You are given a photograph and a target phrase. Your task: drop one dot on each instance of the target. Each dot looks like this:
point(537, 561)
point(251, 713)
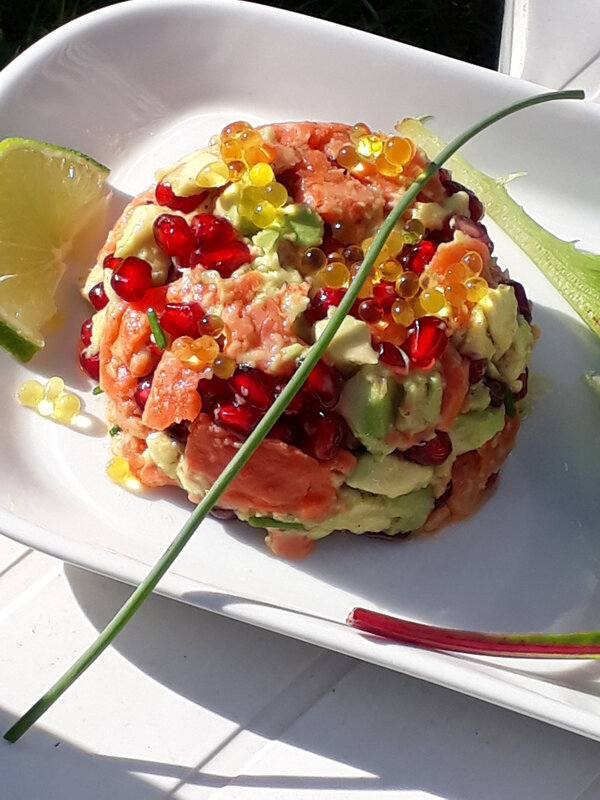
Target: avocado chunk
point(368, 404)
point(421, 402)
point(351, 347)
point(471, 431)
point(391, 475)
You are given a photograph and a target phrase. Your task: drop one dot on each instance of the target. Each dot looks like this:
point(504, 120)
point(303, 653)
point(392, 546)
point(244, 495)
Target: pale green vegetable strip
point(574, 273)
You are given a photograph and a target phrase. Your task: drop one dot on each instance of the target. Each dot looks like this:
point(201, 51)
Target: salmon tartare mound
point(214, 283)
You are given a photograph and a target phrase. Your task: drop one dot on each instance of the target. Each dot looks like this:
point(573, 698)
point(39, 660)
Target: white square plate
point(138, 84)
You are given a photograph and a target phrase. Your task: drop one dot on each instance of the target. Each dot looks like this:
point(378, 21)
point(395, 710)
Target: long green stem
point(262, 429)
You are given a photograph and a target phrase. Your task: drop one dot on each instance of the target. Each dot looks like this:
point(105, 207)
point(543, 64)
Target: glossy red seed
point(97, 296)
point(131, 280)
point(142, 393)
point(431, 453)
point(324, 383)
point(286, 430)
point(323, 300)
point(174, 237)
point(240, 421)
point(253, 386)
point(181, 319)
point(86, 332)
point(297, 402)
point(179, 431)
point(224, 259)
point(426, 341)
point(385, 294)
point(497, 391)
point(165, 196)
point(323, 436)
point(416, 257)
point(524, 378)
point(394, 357)
point(111, 262)
point(477, 369)
point(210, 230)
point(90, 364)
point(470, 228)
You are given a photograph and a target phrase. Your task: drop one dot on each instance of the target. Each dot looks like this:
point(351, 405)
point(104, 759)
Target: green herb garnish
point(97, 390)
point(574, 273)
point(157, 331)
point(270, 522)
point(245, 452)
point(114, 430)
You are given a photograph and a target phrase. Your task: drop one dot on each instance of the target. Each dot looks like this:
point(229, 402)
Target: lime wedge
point(46, 194)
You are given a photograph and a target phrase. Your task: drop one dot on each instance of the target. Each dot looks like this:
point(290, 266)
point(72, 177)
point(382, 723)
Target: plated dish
point(529, 559)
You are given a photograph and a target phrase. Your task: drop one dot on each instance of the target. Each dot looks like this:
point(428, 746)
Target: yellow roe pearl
point(415, 226)
point(53, 388)
point(477, 289)
point(264, 215)
point(30, 393)
point(335, 275)
point(261, 174)
point(432, 300)
point(223, 367)
point(117, 469)
point(369, 146)
point(276, 194)
point(407, 285)
point(402, 312)
point(391, 270)
point(66, 408)
point(395, 242)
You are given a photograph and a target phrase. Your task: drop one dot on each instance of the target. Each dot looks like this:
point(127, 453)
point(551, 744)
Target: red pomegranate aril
point(181, 319)
point(111, 262)
point(210, 230)
point(240, 421)
point(297, 402)
point(142, 393)
point(165, 196)
point(179, 431)
point(224, 259)
point(416, 257)
point(90, 364)
point(385, 293)
point(524, 378)
point(86, 332)
point(285, 430)
point(497, 391)
point(469, 227)
point(324, 383)
point(431, 453)
point(253, 386)
point(323, 300)
point(174, 237)
point(426, 342)
point(97, 296)
point(477, 369)
point(323, 436)
point(393, 357)
point(131, 280)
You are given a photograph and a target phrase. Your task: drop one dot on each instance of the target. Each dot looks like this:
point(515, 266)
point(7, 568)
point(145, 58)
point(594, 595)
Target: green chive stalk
point(245, 452)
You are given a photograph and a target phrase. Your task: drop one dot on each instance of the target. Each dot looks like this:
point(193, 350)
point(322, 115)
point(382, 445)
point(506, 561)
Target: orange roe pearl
point(235, 129)
point(359, 130)
point(407, 285)
point(366, 290)
point(231, 150)
point(455, 293)
point(313, 259)
point(236, 170)
point(347, 157)
point(457, 273)
point(473, 261)
point(399, 151)
point(386, 169)
point(353, 254)
point(369, 146)
point(396, 333)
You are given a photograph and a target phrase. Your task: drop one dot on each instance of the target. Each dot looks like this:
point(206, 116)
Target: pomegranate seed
point(131, 279)
point(370, 311)
point(416, 256)
point(254, 387)
point(385, 294)
point(524, 378)
point(181, 319)
point(323, 300)
point(142, 393)
point(97, 296)
point(174, 236)
point(426, 341)
point(286, 431)
point(323, 436)
point(497, 391)
point(165, 196)
point(86, 332)
point(111, 262)
point(431, 453)
point(477, 369)
point(179, 431)
point(240, 421)
point(324, 383)
point(225, 259)
point(90, 364)
point(522, 301)
point(297, 403)
point(394, 357)
point(211, 231)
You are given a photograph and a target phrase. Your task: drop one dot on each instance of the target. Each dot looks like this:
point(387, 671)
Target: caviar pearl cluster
point(368, 153)
point(50, 399)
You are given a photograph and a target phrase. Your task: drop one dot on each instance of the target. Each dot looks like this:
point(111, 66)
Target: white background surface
point(258, 715)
